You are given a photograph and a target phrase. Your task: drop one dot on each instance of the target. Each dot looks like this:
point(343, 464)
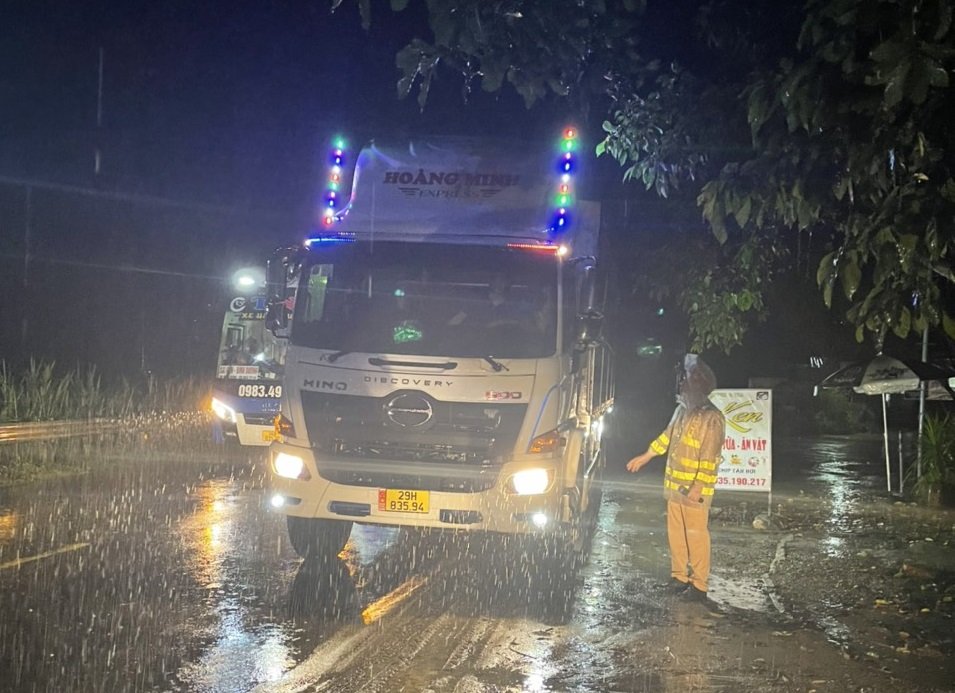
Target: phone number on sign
point(740, 481)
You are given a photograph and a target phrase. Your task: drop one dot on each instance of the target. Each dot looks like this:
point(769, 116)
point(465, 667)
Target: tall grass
point(42, 392)
point(937, 447)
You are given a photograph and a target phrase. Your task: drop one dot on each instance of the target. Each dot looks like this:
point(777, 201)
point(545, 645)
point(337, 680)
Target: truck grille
point(456, 433)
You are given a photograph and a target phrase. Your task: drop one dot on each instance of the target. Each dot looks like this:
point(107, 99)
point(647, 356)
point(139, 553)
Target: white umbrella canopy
point(886, 375)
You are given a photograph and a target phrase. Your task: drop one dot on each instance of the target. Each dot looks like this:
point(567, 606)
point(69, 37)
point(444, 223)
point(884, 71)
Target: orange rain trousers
point(689, 539)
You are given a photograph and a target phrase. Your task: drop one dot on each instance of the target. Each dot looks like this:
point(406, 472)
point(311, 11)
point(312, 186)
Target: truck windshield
point(428, 299)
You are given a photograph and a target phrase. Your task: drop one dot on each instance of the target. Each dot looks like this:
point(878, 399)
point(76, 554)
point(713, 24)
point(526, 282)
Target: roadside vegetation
point(143, 418)
point(936, 485)
point(808, 134)
point(44, 392)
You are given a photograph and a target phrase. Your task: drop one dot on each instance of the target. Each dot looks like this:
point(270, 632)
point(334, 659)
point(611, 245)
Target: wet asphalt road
point(175, 575)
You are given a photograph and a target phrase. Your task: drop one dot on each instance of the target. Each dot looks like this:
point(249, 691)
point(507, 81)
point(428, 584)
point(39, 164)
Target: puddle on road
point(740, 593)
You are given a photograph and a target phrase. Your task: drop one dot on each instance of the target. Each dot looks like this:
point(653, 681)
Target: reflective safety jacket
point(694, 440)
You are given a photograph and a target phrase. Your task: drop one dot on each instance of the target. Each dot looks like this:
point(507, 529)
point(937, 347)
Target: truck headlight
point(223, 411)
point(290, 466)
point(530, 481)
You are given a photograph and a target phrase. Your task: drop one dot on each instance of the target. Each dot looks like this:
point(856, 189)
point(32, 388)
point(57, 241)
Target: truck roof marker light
point(336, 160)
point(566, 163)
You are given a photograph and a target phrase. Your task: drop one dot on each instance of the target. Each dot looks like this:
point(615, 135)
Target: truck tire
point(312, 537)
point(590, 516)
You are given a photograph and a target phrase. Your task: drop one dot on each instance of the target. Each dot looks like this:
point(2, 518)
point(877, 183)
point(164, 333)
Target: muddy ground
point(852, 596)
point(169, 572)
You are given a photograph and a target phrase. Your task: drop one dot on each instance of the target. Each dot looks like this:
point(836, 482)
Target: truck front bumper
point(455, 497)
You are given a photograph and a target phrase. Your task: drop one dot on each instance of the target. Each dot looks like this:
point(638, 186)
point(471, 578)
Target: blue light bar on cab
point(338, 238)
point(331, 200)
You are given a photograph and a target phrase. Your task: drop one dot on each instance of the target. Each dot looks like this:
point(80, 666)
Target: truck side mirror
point(276, 317)
point(588, 328)
point(282, 262)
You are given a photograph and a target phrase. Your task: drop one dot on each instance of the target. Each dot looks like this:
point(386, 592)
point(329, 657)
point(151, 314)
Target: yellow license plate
point(269, 435)
point(397, 500)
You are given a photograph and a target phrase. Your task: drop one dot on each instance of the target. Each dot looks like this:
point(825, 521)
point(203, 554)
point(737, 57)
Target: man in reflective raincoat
point(693, 443)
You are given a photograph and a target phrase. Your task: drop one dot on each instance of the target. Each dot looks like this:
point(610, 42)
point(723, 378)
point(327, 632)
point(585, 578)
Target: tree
point(782, 121)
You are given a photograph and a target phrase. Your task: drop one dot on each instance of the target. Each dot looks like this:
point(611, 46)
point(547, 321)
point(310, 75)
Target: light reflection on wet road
point(178, 577)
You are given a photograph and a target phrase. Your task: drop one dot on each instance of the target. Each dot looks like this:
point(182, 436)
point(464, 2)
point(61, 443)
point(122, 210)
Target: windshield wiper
point(446, 366)
point(496, 365)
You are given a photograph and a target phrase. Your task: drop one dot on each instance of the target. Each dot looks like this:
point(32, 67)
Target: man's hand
point(695, 493)
point(637, 462)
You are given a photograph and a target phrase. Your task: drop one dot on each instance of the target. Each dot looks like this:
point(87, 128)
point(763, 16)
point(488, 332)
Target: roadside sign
point(747, 462)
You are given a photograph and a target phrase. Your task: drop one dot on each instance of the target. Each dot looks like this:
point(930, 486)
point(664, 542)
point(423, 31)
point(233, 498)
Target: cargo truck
point(445, 366)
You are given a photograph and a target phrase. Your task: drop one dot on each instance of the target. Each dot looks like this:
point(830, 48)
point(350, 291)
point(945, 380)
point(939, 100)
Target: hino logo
point(409, 410)
point(337, 385)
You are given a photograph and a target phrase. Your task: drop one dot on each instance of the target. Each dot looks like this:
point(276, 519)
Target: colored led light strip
point(336, 159)
point(566, 164)
point(544, 248)
point(329, 239)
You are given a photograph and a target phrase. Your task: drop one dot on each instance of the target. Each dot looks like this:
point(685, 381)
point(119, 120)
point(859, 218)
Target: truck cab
point(247, 388)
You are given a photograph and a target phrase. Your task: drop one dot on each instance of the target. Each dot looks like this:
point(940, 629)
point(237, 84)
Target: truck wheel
point(589, 519)
point(314, 537)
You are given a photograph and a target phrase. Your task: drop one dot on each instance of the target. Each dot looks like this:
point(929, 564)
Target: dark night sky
point(217, 101)
point(230, 103)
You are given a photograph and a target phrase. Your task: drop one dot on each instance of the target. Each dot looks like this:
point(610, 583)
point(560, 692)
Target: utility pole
point(27, 232)
point(97, 152)
point(923, 390)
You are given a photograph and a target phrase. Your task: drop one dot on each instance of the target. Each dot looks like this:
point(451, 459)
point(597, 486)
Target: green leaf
point(888, 52)
point(745, 300)
point(493, 75)
point(945, 271)
point(742, 214)
point(719, 229)
point(860, 333)
point(851, 275)
point(825, 269)
point(948, 190)
point(907, 242)
point(601, 148)
point(841, 187)
point(902, 326)
point(894, 89)
point(948, 324)
point(944, 20)
point(938, 76)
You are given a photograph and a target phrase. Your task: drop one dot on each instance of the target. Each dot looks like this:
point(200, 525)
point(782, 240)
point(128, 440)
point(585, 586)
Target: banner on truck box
point(747, 463)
